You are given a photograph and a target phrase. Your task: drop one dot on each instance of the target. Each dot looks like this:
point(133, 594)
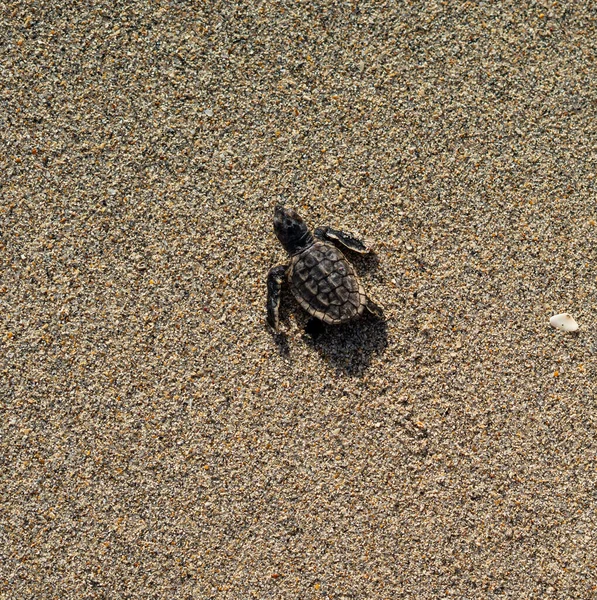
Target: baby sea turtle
point(321, 279)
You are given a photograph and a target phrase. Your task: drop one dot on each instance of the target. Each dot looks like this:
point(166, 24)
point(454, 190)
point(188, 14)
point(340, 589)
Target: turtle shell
point(325, 284)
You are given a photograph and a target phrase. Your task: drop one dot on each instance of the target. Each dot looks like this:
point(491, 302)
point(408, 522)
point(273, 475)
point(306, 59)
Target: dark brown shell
point(326, 285)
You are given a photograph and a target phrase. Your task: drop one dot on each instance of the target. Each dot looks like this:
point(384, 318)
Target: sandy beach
point(157, 441)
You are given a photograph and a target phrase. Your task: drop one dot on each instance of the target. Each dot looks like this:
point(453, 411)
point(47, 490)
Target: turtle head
point(291, 230)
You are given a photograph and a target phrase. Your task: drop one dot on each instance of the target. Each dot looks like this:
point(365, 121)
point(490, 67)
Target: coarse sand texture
point(157, 441)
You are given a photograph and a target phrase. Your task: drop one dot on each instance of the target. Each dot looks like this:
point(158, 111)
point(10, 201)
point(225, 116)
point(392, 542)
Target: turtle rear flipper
point(274, 287)
point(346, 240)
point(373, 308)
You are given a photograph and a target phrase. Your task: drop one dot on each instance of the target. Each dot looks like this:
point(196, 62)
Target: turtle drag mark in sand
point(322, 280)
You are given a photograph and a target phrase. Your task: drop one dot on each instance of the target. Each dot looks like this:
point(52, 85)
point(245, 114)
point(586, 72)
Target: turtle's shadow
point(363, 262)
point(348, 348)
point(281, 341)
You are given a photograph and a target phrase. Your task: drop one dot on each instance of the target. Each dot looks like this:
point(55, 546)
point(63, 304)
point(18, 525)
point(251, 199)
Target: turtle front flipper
point(274, 288)
point(373, 308)
point(344, 239)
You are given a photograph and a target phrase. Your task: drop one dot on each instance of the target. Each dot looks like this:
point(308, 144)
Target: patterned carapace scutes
point(325, 284)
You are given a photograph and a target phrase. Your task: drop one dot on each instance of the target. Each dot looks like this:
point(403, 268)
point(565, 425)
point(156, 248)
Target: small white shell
point(564, 322)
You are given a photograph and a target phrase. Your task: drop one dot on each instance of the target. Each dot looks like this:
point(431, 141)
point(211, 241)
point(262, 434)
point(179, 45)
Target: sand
point(157, 441)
